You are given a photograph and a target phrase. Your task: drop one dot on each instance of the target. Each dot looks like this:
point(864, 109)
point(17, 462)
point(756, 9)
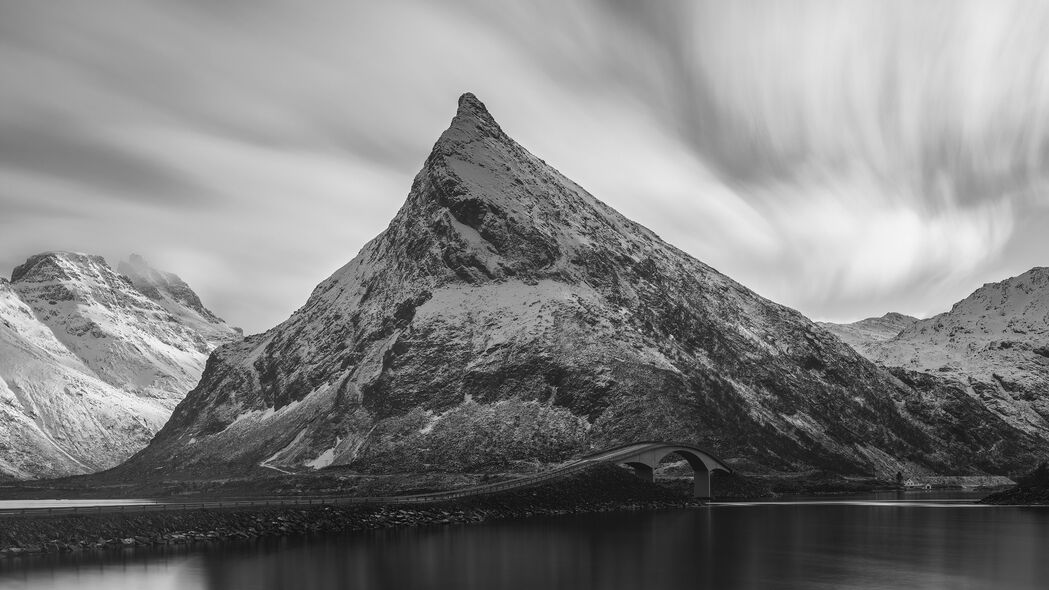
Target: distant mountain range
point(866, 333)
point(993, 345)
point(508, 316)
point(92, 362)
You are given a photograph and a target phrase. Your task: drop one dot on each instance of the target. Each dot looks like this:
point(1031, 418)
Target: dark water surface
point(899, 542)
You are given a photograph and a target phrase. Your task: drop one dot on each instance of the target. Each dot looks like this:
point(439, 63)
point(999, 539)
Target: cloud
point(893, 146)
point(852, 242)
point(843, 157)
point(80, 156)
point(914, 91)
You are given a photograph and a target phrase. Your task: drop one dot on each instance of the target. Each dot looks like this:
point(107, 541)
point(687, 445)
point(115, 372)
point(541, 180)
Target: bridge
point(642, 457)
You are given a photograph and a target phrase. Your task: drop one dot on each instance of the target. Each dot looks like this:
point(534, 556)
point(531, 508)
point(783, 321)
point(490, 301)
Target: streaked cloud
point(843, 157)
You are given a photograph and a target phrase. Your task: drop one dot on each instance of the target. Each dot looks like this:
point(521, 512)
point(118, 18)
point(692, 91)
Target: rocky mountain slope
point(865, 333)
point(173, 294)
point(506, 315)
point(90, 367)
point(994, 345)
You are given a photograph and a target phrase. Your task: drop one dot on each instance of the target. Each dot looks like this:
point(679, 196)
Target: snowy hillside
point(865, 333)
point(995, 342)
point(90, 367)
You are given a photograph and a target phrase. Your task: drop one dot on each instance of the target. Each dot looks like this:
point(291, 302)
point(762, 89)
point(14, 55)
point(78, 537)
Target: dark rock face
point(978, 437)
point(1032, 489)
point(507, 315)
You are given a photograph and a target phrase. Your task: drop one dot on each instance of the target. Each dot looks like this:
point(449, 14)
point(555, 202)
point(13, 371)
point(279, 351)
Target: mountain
point(994, 345)
point(865, 333)
point(505, 315)
point(90, 367)
point(173, 294)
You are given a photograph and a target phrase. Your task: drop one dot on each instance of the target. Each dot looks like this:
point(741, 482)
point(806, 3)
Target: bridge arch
point(643, 458)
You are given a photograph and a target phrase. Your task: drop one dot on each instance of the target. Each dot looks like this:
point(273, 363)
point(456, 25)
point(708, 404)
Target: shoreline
point(1018, 496)
point(602, 488)
point(1031, 490)
point(75, 534)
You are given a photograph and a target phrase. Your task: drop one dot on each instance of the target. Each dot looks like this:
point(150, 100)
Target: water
point(879, 542)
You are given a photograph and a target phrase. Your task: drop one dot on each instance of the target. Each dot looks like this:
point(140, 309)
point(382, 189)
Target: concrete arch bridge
point(644, 457)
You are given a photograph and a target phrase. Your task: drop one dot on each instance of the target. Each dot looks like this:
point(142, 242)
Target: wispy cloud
point(843, 157)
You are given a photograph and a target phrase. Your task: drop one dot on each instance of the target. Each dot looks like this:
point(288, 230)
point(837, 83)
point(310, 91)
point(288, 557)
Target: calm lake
point(893, 541)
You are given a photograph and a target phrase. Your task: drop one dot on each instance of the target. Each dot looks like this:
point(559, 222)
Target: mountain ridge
point(173, 294)
point(868, 331)
point(994, 344)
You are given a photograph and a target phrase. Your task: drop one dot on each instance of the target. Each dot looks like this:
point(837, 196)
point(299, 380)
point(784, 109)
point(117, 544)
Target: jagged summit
point(471, 109)
point(468, 101)
point(472, 122)
point(53, 261)
point(484, 207)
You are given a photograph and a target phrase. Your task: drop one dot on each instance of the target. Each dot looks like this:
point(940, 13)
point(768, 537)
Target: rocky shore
point(603, 488)
point(1019, 497)
point(1032, 490)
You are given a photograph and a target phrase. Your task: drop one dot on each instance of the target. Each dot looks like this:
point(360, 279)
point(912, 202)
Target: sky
point(844, 158)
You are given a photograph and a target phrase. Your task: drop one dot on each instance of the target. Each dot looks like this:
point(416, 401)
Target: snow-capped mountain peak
point(126, 339)
point(505, 314)
point(90, 367)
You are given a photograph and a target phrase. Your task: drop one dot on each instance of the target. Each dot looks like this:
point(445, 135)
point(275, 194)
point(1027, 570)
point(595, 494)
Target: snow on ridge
point(261, 415)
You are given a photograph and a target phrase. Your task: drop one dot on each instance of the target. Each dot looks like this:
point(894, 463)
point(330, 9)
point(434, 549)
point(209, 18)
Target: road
point(89, 506)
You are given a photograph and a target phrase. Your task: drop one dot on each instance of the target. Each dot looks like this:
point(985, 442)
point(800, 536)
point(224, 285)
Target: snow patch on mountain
point(326, 458)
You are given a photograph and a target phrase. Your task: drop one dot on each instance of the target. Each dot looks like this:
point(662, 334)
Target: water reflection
point(756, 546)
